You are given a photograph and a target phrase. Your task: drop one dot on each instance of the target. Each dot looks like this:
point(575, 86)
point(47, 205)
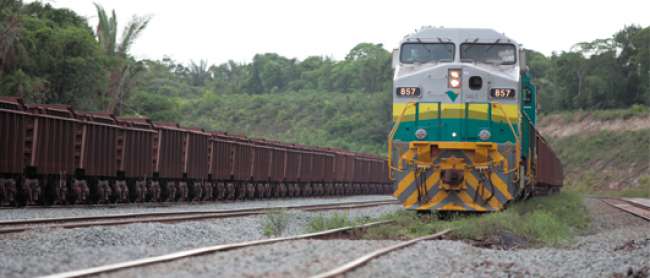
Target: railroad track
point(636, 207)
point(360, 261)
point(202, 251)
point(15, 226)
point(336, 272)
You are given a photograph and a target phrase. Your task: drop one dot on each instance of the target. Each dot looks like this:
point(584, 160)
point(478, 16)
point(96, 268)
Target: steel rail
point(14, 226)
point(341, 270)
point(201, 251)
point(631, 207)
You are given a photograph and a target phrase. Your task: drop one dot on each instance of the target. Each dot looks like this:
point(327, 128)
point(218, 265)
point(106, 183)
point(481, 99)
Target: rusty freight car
point(51, 154)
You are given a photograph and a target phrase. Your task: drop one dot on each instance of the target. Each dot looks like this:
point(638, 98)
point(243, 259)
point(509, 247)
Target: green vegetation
point(275, 222)
point(605, 160)
point(552, 220)
point(354, 121)
point(321, 223)
point(50, 55)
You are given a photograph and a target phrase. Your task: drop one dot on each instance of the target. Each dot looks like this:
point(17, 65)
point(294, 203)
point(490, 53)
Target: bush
point(321, 223)
point(548, 220)
point(275, 222)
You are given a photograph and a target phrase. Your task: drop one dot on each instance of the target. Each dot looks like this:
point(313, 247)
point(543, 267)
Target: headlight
point(455, 77)
point(484, 134)
point(420, 133)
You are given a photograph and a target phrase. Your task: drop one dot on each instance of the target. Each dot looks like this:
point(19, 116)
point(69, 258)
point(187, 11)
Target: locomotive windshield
point(421, 53)
point(488, 53)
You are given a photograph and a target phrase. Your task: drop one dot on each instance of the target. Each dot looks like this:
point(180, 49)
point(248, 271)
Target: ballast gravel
point(97, 210)
point(52, 251)
point(301, 258)
point(618, 245)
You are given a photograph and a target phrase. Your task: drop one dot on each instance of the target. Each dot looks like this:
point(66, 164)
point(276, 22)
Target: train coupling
point(452, 174)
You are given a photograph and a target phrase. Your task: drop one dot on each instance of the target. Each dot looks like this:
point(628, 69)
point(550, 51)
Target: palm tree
point(125, 68)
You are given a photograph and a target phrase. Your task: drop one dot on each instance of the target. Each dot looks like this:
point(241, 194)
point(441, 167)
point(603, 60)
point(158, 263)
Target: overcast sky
point(238, 29)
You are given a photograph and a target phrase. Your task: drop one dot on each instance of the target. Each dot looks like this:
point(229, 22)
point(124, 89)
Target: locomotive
point(464, 114)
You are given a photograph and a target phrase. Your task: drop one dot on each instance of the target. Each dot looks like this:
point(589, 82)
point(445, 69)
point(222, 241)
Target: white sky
point(238, 29)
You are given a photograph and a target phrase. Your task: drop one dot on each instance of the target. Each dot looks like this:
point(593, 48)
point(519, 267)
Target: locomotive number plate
point(407, 92)
point(502, 93)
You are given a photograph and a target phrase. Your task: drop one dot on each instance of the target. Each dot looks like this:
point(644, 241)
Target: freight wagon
point(52, 154)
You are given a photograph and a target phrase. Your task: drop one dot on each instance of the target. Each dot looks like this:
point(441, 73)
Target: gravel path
point(28, 213)
point(612, 248)
point(51, 251)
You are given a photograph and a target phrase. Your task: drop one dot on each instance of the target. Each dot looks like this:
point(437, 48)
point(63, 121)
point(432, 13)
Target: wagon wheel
point(250, 191)
point(78, 192)
point(102, 192)
point(231, 191)
point(170, 191)
point(60, 192)
point(196, 191)
point(153, 191)
point(221, 191)
point(182, 191)
point(307, 190)
point(282, 190)
point(268, 193)
point(241, 190)
point(208, 191)
point(7, 192)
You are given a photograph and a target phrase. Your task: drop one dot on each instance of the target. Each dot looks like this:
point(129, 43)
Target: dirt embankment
point(559, 125)
point(602, 150)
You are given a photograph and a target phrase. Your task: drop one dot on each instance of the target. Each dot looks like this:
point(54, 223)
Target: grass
point(321, 223)
point(552, 220)
point(604, 161)
point(275, 222)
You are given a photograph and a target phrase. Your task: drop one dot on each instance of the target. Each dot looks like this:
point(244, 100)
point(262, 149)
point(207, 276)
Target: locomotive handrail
point(390, 139)
point(512, 129)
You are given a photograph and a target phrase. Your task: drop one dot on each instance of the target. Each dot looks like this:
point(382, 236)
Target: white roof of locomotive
point(457, 35)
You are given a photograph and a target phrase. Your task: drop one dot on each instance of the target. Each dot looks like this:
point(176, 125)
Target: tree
point(49, 56)
point(123, 67)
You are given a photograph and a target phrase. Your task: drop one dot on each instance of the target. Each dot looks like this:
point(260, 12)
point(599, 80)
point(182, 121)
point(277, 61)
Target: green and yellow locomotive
point(464, 112)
